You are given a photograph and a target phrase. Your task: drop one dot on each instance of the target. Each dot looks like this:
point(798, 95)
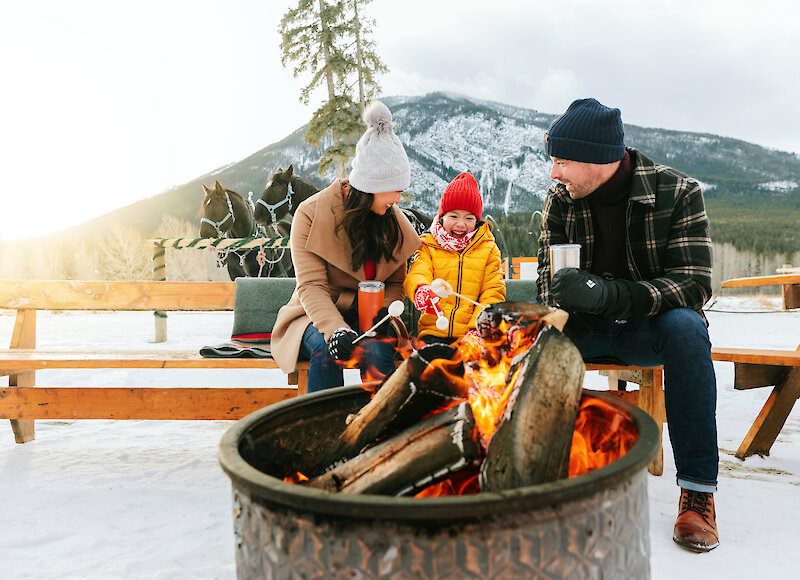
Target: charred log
point(419, 456)
point(531, 445)
point(404, 398)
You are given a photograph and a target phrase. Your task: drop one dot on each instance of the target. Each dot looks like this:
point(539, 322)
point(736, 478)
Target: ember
point(297, 477)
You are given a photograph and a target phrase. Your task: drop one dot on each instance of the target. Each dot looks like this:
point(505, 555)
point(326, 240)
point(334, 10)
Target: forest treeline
point(762, 231)
point(126, 254)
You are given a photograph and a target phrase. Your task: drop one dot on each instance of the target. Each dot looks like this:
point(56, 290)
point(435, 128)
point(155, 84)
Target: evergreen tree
point(366, 62)
point(327, 39)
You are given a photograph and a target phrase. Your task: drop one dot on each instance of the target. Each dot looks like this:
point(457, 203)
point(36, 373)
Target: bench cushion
point(521, 290)
point(255, 308)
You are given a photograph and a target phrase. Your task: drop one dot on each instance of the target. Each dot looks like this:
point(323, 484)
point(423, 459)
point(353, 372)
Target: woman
point(347, 233)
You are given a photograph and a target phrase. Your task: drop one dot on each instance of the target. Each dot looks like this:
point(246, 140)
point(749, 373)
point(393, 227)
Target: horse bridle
point(218, 225)
point(271, 207)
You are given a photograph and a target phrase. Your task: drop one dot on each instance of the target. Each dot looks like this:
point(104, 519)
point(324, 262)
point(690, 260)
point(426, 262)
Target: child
point(460, 249)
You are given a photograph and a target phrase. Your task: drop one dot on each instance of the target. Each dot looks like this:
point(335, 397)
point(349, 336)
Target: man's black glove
point(340, 345)
point(385, 329)
point(580, 291)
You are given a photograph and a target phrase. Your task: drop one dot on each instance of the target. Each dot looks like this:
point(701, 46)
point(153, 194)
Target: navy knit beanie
point(588, 132)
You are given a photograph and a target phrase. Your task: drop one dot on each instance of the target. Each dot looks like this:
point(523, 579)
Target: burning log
point(532, 443)
point(403, 399)
point(523, 396)
point(419, 456)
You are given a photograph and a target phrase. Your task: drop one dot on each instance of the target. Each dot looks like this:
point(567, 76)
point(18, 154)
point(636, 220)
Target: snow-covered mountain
point(502, 146)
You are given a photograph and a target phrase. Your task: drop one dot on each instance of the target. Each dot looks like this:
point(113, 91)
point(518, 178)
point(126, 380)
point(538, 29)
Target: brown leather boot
point(696, 526)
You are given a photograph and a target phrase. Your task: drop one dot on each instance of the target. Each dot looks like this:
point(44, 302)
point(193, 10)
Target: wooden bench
point(22, 401)
point(779, 369)
point(790, 283)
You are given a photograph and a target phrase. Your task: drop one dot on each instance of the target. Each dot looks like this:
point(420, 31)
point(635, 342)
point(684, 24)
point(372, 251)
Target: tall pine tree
point(329, 40)
point(365, 62)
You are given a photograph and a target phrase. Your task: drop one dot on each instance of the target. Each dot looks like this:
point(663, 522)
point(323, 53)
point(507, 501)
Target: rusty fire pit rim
point(470, 507)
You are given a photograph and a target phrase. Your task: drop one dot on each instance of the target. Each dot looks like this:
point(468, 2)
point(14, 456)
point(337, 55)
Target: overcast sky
point(106, 102)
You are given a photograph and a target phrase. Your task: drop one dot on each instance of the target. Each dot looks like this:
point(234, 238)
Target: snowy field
point(147, 499)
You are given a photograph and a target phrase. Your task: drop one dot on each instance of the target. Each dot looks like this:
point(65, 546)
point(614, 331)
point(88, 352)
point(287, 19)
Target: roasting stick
point(441, 319)
point(395, 309)
point(443, 289)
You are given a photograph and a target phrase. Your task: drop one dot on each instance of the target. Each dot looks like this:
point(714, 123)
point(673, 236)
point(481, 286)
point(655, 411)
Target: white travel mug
point(564, 256)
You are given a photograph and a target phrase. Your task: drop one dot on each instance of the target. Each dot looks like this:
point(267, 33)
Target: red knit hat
point(462, 193)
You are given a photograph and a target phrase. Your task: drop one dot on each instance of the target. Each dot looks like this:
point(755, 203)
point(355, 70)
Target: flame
point(484, 372)
point(464, 482)
point(488, 398)
point(489, 383)
point(296, 478)
point(603, 433)
point(449, 371)
point(359, 358)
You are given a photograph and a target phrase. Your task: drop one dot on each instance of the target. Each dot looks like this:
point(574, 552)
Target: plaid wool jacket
point(667, 244)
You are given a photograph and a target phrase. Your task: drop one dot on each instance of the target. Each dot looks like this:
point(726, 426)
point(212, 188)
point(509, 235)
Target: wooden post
point(651, 400)
point(773, 415)
point(23, 336)
point(791, 296)
point(159, 275)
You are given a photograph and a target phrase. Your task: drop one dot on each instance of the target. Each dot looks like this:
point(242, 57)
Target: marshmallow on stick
point(395, 309)
point(441, 319)
point(443, 289)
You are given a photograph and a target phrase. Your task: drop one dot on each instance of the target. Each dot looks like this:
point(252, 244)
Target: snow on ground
point(147, 499)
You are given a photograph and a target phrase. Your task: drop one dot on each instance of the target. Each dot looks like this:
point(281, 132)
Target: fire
point(484, 372)
point(464, 482)
point(296, 478)
point(488, 397)
point(450, 371)
point(490, 376)
point(602, 434)
point(371, 374)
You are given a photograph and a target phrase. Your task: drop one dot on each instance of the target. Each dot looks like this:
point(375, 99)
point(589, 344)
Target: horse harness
point(218, 225)
point(271, 207)
point(256, 231)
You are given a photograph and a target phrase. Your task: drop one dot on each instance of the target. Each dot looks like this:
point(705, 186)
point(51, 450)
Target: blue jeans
point(324, 372)
point(677, 339)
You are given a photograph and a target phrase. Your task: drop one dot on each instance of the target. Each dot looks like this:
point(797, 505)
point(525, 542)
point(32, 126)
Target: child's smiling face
point(458, 222)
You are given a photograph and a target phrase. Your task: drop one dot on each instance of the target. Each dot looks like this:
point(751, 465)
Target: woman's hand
point(340, 345)
point(385, 327)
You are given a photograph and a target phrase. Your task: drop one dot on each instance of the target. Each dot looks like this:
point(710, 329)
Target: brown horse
point(278, 202)
point(281, 196)
point(226, 214)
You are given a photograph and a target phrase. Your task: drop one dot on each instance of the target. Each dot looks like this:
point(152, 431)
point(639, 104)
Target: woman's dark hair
point(372, 236)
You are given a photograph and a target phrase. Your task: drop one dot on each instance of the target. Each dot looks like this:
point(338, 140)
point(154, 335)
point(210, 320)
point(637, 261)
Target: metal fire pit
point(591, 526)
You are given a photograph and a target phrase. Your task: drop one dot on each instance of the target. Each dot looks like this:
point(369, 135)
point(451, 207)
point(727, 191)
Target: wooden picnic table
point(763, 368)
point(790, 283)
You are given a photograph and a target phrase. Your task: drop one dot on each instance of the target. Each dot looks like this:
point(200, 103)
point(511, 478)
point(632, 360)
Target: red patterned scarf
point(447, 241)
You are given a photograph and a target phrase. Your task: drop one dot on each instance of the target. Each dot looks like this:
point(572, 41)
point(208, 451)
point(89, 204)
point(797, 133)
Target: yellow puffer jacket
point(476, 272)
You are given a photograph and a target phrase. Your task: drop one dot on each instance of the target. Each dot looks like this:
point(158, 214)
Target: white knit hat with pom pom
point(381, 163)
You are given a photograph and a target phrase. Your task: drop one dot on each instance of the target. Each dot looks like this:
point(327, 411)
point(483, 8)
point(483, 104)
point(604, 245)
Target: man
point(637, 297)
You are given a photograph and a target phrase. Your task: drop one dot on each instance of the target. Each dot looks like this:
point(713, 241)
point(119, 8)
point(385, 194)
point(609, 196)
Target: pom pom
point(441, 323)
point(378, 116)
point(396, 308)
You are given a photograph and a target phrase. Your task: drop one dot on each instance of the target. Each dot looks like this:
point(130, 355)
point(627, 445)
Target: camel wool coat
point(326, 284)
